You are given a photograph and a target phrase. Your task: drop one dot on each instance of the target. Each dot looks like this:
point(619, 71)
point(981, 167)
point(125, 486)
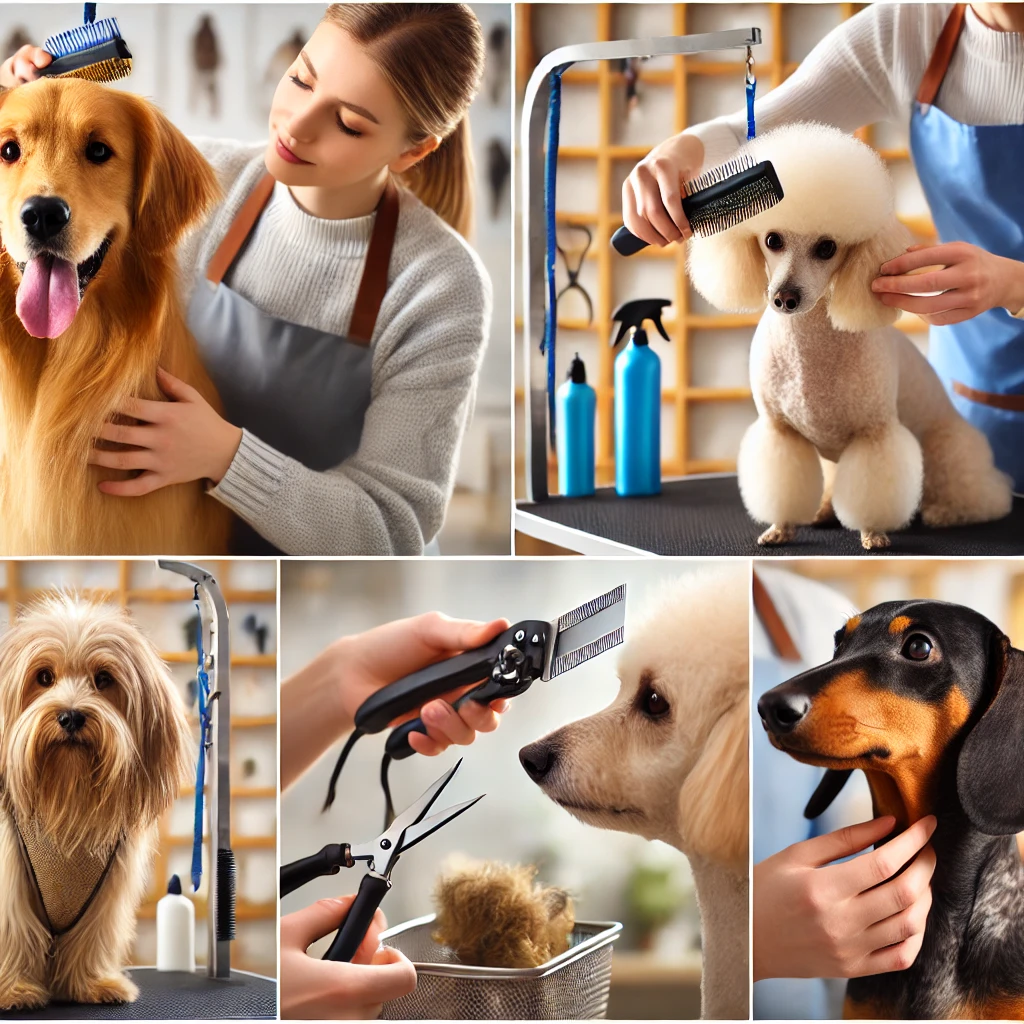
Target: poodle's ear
point(713, 802)
point(853, 306)
point(729, 271)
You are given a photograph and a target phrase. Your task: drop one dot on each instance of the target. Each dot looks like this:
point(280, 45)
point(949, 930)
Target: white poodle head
point(826, 239)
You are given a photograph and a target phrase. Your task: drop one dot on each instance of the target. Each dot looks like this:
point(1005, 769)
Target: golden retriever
point(668, 760)
point(96, 189)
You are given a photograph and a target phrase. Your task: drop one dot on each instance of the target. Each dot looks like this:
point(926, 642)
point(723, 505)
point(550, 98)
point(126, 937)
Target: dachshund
point(927, 699)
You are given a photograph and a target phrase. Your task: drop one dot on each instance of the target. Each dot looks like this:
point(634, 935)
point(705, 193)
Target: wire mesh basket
point(571, 986)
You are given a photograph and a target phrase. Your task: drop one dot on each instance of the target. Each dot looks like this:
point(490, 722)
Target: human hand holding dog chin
point(816, 919)
point(23, 66)
point(324, 989)
point(178, 441)
point(971, 282)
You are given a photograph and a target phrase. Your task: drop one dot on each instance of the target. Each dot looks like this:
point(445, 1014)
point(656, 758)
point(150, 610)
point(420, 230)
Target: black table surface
point(174, 995)
point(705, 516)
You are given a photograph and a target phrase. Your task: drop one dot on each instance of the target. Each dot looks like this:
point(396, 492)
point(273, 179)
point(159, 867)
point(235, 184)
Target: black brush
point(719, 199)
point(226, 880)
point(94, 50)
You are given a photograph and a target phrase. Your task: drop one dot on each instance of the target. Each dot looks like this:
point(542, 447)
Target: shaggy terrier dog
point(94, 747)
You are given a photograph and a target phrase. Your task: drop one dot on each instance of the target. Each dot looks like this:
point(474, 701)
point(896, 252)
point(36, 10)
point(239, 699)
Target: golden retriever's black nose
point(45, 217)
point(781, 712)
point(71, 721)
point(787, 300)
point(538, 759)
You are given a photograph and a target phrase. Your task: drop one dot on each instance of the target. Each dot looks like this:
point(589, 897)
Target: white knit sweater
point(390, 496)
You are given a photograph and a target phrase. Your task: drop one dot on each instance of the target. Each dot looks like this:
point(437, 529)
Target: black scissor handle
point(329, 861)
point(372, 889)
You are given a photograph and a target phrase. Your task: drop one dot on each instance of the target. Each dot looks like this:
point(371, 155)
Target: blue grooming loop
point(539, 145)
point(205, 741)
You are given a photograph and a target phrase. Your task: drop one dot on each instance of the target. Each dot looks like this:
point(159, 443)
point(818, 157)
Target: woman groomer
point(957, 74)
point(342, 317)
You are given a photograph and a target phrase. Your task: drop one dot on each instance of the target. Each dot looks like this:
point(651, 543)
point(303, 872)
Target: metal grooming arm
point(218, 769)
point(535, 103)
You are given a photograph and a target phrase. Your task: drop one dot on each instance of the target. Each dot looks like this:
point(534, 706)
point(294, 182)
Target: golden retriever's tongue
point(48, 296)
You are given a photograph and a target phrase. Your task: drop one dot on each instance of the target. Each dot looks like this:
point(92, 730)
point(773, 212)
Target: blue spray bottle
point(575, 405)
point(638, 400)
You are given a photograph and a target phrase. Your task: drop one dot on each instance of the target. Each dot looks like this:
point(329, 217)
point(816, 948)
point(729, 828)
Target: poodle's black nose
point(45, 217)
point(782, 712)
point(538, 759)
point(787, 300)
point(71, 721)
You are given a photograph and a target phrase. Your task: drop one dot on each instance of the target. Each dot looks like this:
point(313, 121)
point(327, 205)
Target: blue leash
point(547, 344)
point(751, 83)
point(203, 697)
point(89, 15)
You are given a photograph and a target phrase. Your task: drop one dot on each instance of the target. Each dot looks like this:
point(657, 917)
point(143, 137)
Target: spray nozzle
point(632, 315)
point(577, 371)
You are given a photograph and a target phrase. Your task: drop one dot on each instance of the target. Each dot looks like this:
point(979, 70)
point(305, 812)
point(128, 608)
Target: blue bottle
point(638, 400)
point(575, 405)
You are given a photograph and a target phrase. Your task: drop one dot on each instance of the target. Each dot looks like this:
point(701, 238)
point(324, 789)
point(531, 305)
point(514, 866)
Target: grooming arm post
point(535, 103)
point(218, 771)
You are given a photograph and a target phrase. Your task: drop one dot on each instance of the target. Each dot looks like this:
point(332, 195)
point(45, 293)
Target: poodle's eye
point(44, 677)
point(917, 647)
point(9, 152)
point(103, 679)
point(825, 249)
point(98, 152)
point(774, 241)
point(653, 704)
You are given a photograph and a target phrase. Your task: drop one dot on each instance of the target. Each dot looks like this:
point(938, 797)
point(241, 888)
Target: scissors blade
point(418, 832)
point(585, 632)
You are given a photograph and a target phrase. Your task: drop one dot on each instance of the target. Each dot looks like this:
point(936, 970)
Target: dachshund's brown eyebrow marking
point(852, 624)
point(900, 623)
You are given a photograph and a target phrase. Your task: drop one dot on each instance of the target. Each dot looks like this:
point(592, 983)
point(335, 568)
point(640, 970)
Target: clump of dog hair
point(496, 915)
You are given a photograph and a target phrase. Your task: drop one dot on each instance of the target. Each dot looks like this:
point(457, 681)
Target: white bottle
point(175, 930)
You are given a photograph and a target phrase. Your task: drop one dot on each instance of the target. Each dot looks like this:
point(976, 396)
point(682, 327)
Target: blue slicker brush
point(94, 50)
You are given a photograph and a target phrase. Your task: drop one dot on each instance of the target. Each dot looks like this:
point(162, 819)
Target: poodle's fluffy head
point(496, 915)
point(826, 238)
point(668, 758)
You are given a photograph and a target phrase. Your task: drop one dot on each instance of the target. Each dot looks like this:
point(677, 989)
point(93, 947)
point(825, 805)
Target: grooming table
point(703, 515)
point(175, 995)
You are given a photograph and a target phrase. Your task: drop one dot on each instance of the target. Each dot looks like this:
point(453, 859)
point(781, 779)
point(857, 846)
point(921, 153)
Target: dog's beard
point(83, 792)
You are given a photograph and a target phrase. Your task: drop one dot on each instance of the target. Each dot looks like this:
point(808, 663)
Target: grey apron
point(298, 389)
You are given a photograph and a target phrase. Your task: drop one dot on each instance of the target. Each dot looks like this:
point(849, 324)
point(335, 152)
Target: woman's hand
point(816, 919)
point(652, 206)
point(177, 441)
point(973, 281)
point(325, 989)
point(23, 66)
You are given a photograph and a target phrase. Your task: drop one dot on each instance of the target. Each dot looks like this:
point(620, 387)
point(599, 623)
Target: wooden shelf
point(237, 660)
point(237, 842)
point(240, 792)
point(231, 596)
point(245, 721)
point(244, 911)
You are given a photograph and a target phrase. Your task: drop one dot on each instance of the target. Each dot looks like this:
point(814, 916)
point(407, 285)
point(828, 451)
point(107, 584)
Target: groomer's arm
point(319, 702)
point(23, 66)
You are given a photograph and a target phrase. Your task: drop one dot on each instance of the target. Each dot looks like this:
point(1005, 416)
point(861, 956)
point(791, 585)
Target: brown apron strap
point(239, 230)
point(780, 637)
point(943, 53)
point(1011, 403)
point(375, 274)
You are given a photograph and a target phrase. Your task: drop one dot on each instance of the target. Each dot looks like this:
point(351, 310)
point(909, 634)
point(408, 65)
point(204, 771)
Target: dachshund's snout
point(71, 721)
point(782, 712)
point(45, 217)
point(538, 759)
point(787, 300)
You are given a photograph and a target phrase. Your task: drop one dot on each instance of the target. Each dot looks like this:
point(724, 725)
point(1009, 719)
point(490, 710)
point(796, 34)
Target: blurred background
point(612, 116)
point(613, 876)
point(161, 604)
point(814, 597)
point(212, 69)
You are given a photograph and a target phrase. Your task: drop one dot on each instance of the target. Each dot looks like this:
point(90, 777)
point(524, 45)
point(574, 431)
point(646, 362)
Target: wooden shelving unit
point(679, 393)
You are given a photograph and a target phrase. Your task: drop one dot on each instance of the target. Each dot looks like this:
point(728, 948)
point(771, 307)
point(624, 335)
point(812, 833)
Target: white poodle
point(831, 379)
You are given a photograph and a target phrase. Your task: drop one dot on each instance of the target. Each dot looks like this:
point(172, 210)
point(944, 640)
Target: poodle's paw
point(777, 535)
point(872, 541)
point(114, 988)
point(826, 514)
point(22, 994)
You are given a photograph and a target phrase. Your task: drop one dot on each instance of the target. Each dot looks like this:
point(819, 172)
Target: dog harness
point(66, 884)
point(971, 177)
point(277, 379)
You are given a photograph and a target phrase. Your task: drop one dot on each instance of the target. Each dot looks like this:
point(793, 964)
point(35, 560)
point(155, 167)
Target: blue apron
point(300, 390)
point(971, 176)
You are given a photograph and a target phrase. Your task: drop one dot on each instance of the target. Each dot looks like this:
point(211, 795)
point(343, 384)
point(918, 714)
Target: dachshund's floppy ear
point(713, 802)
point(989, 776)
point(729, 271)
point(174, 185)
point(853, 306)
point(828, 789)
